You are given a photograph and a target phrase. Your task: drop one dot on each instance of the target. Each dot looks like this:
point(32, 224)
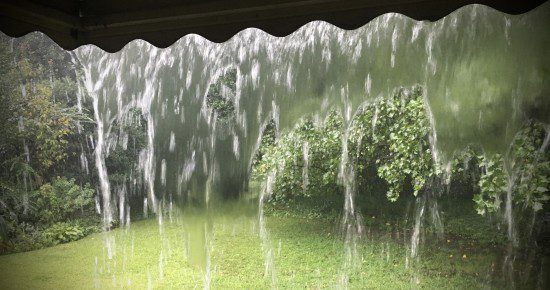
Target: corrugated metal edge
point(113, 40)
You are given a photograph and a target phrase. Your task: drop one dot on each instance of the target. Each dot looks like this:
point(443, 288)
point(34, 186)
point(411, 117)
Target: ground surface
point(307, 252)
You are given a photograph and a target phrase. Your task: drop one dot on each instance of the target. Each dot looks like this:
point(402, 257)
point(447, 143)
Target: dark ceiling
point(110, 24)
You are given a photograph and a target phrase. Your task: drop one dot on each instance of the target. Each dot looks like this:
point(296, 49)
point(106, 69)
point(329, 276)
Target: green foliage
point(390, 135)
point(395, 134)
point(63, 200)
point(268, 140)
point(47, 127)
point(39, 119)
point(27, 218)
point(389, 146)
point(43, 136)
point(286, 156)
point(525, 171)
point(11, 105)
point(220, 96)
point(531, 166)
point(62, 232)
point(492, 183)
point(26, 237)
point(121, 161)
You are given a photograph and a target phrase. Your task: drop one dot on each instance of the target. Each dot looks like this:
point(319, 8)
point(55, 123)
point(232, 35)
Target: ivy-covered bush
point(524, 171)
point(389, 146)
point(388, 135)
point(394, 134)
point(322, 146)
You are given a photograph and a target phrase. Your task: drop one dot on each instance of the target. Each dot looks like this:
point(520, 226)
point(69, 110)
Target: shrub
point(63, 200)
point(524, 171)
point(321, 143)
point(41, 219)
point(388, 140)
point(27, 238)
point(63, 232)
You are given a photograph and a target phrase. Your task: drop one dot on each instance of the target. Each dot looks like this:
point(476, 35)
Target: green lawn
point(308, 254)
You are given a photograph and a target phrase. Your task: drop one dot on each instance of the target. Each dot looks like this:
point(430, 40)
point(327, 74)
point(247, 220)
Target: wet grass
point(308, 253)
point(312, 251)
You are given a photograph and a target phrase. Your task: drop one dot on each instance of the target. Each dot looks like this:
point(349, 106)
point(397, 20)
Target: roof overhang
point(111, 24)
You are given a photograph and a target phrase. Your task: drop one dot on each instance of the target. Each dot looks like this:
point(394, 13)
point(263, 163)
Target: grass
point(308, 253)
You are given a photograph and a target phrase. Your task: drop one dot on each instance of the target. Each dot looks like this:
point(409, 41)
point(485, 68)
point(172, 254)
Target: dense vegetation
point(388, 143)
point(45, 198)
point(48, 179)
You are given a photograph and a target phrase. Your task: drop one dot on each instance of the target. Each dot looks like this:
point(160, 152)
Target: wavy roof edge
point(161, 23)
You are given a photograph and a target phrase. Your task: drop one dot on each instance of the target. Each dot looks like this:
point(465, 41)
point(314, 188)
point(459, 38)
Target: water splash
point(305, 169)
point(267, 248)
point(352, 221)
point(458, 60)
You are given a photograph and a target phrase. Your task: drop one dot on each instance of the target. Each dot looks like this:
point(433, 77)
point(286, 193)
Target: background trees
point(44, 125)
point(48, 180)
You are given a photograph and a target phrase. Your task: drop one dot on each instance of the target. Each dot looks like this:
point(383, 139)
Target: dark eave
point(110, 24)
